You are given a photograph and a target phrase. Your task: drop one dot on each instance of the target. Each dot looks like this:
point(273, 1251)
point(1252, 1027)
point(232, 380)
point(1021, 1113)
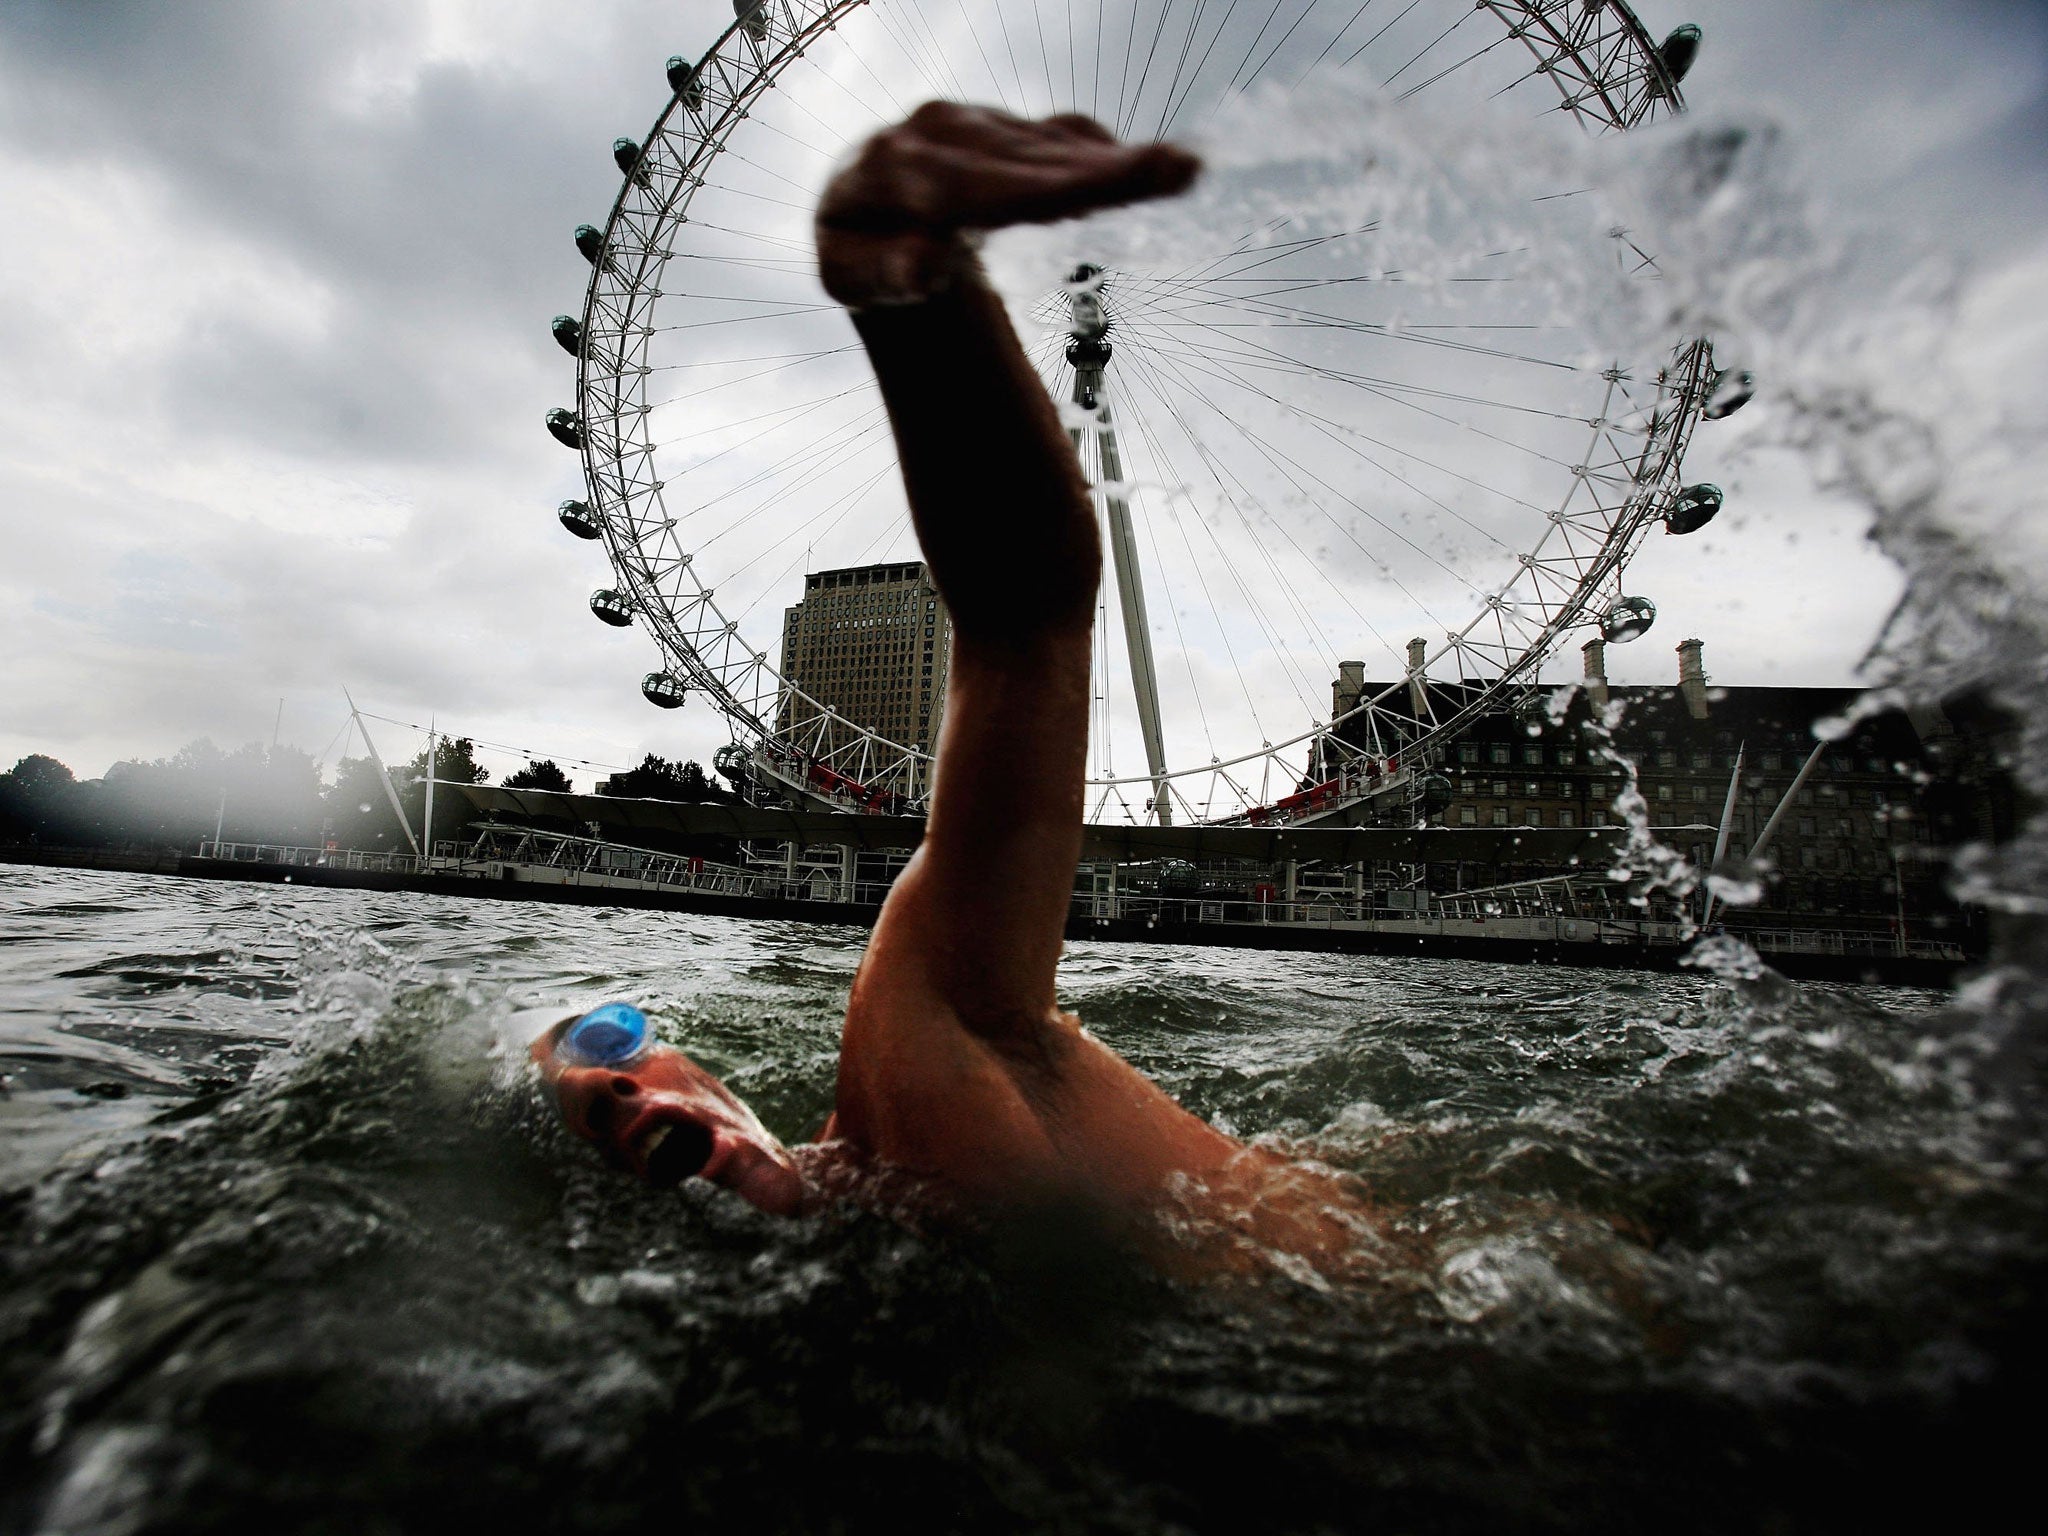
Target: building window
point(1500, 815)
point(1497, 754)
point(1566, 757)
point(1468, 752)
point(1699, 794)
point(1663, 791)
point(1567, 818)
point(1773, 761)
point(1500, 789)
point(1532, 756)
point(1532, 789)
point(1667, 758)
point(1534, 817)
point(1468, 815)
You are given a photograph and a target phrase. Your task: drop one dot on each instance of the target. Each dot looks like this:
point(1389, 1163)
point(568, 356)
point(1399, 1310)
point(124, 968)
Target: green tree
point(454, 762)
point(659, 779)
point(34, 796)
point(541, 773)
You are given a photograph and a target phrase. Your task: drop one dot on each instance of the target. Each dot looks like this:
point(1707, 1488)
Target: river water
point(290, 1237)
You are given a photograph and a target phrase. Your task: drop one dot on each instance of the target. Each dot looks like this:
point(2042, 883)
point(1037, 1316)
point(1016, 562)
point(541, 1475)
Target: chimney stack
point(1596, 672)
point(1692, 678)
point(1418, 700)
point(1349, 687)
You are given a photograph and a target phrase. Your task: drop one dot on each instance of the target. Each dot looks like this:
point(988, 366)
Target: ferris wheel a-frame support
point(1089, 353)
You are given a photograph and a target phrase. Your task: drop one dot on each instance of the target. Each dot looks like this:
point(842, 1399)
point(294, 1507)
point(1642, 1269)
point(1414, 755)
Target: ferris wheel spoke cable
point(1331, 46)
point(989, 69)
point(1383, 31)
point(850, 500)
point(794, 413)
point(765, 357)
point(1329, 429)
point(1010, 48)
point(1393, 392)
point(791, 182)
point(888, 20)
point(1264, 315)
point(1297, 474)
point(1176, 91)
point(925, 54)
point(897, 110)
point(1307, 11)
point(776, 314)
point(830, 452)
point(1257, 609)
point(729, 190)
point(797, 141)
point(1126, 125)
point(773, 266)
point(1448, 70)
point(1219, 357)
point(796, 360)
point(1290, 590)
point(822, 458)
point(1432, 45)
point(800, 248)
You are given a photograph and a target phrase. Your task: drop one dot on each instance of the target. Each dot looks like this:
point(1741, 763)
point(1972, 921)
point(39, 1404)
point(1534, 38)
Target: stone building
point(869, 643)
point(1858, 846)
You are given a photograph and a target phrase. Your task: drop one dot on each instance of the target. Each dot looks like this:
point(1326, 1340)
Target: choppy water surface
point(291, 1237)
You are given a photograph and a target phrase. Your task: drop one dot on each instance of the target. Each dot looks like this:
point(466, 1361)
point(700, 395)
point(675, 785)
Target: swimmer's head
point(655, 1113)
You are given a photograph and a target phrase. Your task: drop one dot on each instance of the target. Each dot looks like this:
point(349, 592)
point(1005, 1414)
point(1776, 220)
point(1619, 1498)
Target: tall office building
point(871, 642)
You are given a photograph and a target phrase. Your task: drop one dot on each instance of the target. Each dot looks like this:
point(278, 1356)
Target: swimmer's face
point(663, 1118)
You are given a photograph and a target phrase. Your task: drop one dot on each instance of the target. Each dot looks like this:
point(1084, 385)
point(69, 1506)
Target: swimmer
point(957, 1068)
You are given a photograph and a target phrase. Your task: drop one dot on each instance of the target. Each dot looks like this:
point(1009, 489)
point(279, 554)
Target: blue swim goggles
point(610, 1035)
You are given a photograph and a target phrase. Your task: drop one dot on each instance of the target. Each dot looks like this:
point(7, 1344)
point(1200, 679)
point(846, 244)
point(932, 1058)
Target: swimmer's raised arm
point(1005, 521)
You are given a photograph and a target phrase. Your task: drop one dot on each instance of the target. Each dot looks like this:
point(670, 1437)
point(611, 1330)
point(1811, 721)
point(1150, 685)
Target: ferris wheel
point(1300, 453)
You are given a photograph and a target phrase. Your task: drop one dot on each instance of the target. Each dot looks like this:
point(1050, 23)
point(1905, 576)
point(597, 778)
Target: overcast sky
point(277, 283)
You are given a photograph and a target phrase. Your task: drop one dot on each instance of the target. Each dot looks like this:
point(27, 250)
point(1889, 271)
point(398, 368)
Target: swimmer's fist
point(894, 225)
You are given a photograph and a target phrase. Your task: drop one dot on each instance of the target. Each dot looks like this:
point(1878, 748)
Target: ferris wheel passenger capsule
point(732, 760)
point(1729, 393)
point(615, 608)
point(626, 156)
point(577, 517)
point(1627, 618)
point(753, 15)
point(664, 690)
point(567, 333)
point(1677, 52)
point(1694, 508)
point(682, 79)
point(566, 426)
point(590, 241)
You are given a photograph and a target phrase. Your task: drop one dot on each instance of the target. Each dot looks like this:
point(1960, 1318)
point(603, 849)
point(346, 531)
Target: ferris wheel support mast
point(1089, 353)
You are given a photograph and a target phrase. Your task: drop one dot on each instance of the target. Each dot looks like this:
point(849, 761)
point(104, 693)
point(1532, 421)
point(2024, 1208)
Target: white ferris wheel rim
point(1608, 75)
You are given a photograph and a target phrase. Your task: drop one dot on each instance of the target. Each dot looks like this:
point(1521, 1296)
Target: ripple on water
point(1638, 1234)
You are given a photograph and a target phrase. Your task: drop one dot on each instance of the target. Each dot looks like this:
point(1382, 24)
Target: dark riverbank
point(1880, 970)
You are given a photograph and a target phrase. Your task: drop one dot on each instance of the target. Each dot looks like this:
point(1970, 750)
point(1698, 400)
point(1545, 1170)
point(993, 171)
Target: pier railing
point(508, 853)
point(372, 861)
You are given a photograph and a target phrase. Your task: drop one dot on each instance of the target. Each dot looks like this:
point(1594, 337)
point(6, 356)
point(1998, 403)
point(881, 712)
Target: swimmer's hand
point(894, 225)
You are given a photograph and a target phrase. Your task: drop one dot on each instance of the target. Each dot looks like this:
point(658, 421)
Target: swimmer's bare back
point(957, 1067)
